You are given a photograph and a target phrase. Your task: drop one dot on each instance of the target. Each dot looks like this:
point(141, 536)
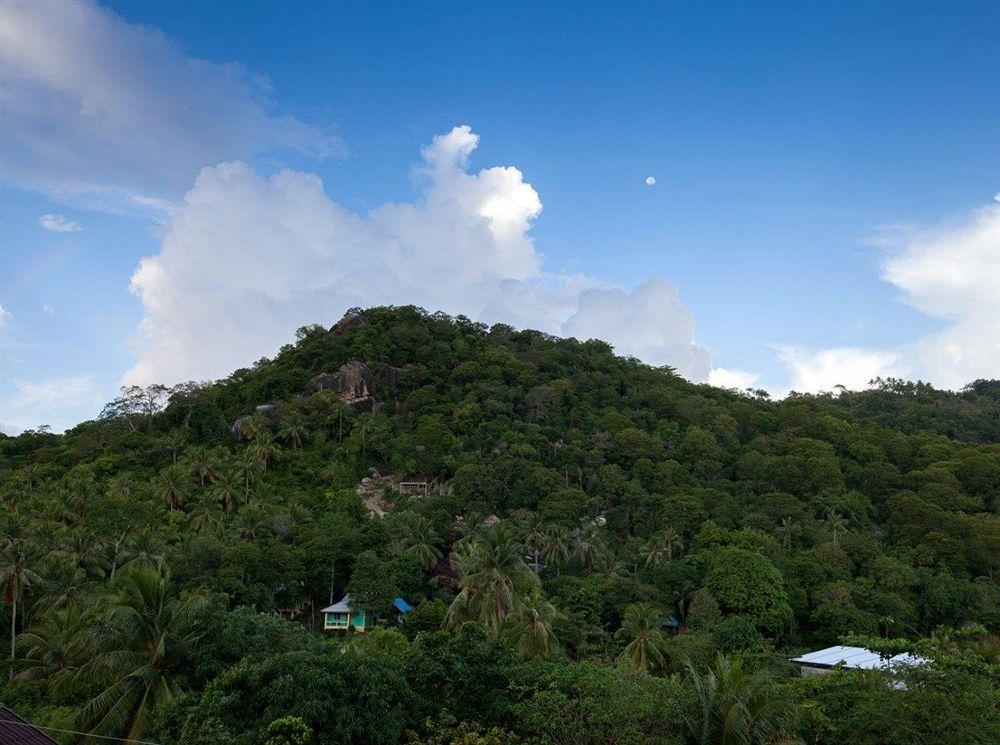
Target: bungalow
point(341, 616)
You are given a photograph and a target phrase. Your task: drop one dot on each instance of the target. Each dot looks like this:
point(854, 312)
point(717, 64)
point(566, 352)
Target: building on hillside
point(342, 616)
point(673, 626)
point(13, 730)
point(823, 661)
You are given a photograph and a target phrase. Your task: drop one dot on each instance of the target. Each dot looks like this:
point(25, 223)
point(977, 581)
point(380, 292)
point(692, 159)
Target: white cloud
point(5, 317)
point(48, 310)
point(738, 379)
point(850, 367)
point(103, 110)
point(245, 260)
point(59, 403)
point(949, 271)
point(58, 224)
point(952, 272)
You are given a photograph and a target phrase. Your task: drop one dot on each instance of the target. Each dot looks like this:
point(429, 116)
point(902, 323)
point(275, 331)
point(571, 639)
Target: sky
point(777, 195)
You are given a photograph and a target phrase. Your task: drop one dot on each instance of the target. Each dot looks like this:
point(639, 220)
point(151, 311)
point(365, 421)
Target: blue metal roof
point(402, 606)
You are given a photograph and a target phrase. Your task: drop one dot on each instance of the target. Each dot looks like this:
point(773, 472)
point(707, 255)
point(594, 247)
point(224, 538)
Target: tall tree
point(147, 633)
point(493, 579)
point(642, 627)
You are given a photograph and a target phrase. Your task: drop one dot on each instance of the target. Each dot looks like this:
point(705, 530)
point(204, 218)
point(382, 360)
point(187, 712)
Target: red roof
point(16, 731)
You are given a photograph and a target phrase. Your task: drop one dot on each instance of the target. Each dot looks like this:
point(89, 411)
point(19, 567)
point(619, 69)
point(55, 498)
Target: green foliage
point(162, 569)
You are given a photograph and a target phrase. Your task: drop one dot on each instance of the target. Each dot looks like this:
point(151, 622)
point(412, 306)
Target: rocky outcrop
point(270, 412)
point(352, 319)
point(354, 382)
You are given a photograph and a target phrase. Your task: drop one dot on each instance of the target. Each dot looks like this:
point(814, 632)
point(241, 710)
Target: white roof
point(856, 658)
point(344, 606)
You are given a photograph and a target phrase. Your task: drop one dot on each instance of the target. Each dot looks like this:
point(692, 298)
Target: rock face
point(349, 321)
point(271, 412)
point(352, 382)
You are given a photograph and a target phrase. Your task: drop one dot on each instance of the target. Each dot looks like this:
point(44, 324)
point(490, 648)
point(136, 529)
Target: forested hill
point(545, 506)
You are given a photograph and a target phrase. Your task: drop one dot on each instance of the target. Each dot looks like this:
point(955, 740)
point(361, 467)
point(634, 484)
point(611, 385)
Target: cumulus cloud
point(99, 108)
point(247, 259)
point(950, 272)
point(58, 224)
point(850, 367)
point(738, 379)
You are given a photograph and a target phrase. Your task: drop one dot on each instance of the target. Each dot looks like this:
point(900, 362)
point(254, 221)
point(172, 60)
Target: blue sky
point(824, 197)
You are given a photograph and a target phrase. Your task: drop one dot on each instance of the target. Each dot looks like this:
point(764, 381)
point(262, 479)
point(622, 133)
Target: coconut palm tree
point(643, 628)
point(248, 470)
point(205, 514)
point(532, 531)
point(419, 539)
point(735, 706)
point(172, 486)
point(63, 582)
point(292, 432)
point(138, 652)
point(53, 649)
point(589, 545)
point(228, 488)
point(15, 574)
point(556, 547)
point(263, 450)
point(202, 464)
point(788, 524)
point(662, 546)
point(530, 629)
point(836, 523)
point(142, 550)
point(493, 579)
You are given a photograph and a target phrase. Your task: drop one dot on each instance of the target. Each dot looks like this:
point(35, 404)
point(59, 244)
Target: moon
point(650, 181)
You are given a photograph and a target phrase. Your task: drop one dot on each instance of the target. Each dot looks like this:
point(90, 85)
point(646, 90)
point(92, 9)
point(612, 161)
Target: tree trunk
point(13, 634)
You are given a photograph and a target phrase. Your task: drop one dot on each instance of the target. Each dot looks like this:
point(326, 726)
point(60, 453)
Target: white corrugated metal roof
point(344, 606)
point(856, 658)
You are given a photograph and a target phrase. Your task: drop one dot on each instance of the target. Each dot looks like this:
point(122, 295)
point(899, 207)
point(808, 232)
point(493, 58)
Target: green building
point(341, 616)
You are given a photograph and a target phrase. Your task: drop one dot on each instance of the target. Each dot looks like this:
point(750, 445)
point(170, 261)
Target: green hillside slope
point(546, 507)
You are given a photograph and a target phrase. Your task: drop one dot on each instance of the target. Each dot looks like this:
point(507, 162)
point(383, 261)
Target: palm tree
point(263, 450)
point(556, 547)
point(836, 523)
point(205, 514)
point(139, 652)
point(62, 584)
point(533, 533)
point(589, 545)
point(227, 488)
point(143, 550)
point(788, 524)
point(53, 649)
point(492, 578)
point(253, 426)
point(643, 627)
point(202, 464)
point(248, 470)
point(530, 629)
point(172, 486)
point(419, 539)
point(737, 707)
point(293, 431)
point(662, 545)
point(15, 575)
